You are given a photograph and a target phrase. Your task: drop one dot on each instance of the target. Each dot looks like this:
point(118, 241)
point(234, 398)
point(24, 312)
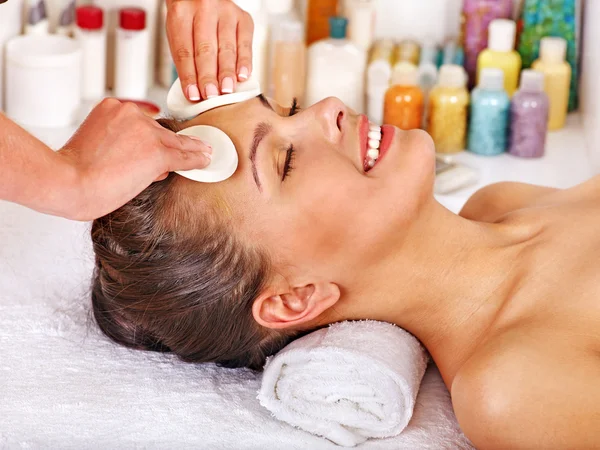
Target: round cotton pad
point(224, 157)
point(181, 108)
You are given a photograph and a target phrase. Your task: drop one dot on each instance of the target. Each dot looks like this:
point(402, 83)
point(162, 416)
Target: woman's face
point(301, 191)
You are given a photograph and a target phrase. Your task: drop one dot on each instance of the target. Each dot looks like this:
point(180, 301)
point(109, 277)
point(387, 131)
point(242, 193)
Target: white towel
point(348, 382)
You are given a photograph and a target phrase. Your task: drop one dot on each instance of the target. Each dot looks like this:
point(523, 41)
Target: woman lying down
point(505, 296)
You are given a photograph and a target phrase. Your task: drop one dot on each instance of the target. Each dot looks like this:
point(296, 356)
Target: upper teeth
point(374, 141)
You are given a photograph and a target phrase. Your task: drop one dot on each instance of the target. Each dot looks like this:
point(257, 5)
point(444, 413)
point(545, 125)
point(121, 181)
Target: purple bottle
point(529, 117)
point(476, 18)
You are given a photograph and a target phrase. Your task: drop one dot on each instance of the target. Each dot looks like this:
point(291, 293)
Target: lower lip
point(388, 132)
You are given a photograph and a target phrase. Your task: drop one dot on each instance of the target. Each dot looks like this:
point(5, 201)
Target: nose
point(332, 115)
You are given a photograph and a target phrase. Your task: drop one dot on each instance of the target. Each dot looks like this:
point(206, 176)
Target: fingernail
point(193, 93)
point(206, 144)
point(243, 73)
point(208, 155)
point(211, 91)
point(227, 85)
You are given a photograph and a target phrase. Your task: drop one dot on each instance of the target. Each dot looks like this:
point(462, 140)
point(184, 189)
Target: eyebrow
point(260, 132)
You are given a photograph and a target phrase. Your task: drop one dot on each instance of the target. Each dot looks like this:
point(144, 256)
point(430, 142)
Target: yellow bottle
point(448, 107)
point(557, 78)
point(500, 53)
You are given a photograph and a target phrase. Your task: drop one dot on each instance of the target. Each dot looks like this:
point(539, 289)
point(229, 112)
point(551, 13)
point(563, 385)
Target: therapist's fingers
point(227, 30)
point(180, 17)
point(244, 46)
point(205, 51)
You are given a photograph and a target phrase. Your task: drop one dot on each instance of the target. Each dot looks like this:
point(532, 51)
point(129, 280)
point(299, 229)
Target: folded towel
point(348, 382)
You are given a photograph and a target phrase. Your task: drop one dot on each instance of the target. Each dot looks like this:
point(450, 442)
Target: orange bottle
point(404, 103)
point(317, 19)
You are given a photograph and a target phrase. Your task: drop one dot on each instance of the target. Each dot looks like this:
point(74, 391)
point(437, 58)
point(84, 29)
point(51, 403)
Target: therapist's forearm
point(33, 175)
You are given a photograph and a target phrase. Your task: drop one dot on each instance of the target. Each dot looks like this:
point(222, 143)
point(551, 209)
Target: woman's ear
point(296, 307)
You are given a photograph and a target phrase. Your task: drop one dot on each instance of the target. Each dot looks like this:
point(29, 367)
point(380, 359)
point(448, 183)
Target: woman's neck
point(445, 283)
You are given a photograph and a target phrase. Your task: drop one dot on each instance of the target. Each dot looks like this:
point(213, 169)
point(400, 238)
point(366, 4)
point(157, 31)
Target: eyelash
point(291, 152)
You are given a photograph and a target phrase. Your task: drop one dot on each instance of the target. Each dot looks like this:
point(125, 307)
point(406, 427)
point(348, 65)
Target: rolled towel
point(348, 382)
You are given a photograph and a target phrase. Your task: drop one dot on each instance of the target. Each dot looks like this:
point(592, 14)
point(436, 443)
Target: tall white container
point(260, 43)
point(361, 17)
point(91, 35)
point(11, 24)
point(131, 80)
point(336, 67)
point(43, 80)
point(111, 19)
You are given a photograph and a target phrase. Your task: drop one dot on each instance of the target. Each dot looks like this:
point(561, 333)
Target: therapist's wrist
point(67, 191)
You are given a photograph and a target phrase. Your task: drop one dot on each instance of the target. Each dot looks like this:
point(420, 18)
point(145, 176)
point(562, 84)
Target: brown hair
point(172, 278)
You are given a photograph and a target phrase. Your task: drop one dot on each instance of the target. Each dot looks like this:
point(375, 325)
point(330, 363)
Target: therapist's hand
point(211, 44)
point(119, 151)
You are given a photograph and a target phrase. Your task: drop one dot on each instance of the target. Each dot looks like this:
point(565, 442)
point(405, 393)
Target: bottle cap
point(502, 35)
point(132, 19)
point(532, 81)
point(338, 26)
point(288, 30)
point(553, 49)
point(492, 79)
point(452, 75)
point(90, 17)
point(405, 74)
point(279, 6)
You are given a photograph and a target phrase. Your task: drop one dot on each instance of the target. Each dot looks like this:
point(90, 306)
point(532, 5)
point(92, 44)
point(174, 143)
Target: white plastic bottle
point(131, 80)
point(91, 35)
point(36, 17)
point(336, 67)
point(379, 73)
point(260, 42)
point(11, 22)
point(361, 17)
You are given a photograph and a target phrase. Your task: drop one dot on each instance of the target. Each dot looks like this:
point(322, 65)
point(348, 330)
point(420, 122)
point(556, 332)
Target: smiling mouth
point(374, 137)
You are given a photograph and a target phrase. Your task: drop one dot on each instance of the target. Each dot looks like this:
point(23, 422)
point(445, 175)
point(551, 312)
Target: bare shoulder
point(528, 389)
point(492, 202)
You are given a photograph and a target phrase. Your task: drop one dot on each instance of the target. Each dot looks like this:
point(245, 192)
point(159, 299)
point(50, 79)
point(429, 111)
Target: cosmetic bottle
point(289, 61)
point(448, 104)
point(361, 17)
point(404, 100)
point(476, 18)
point(558, 18)
point(501, 54)
point(91, 35)
point(66, 19)
point(11, 23)
point(557, 78)
point(336, 67)
point(407, 50)
point(379, 74)
point(131, 81)
point(529, 117)
point(36, 17)
point(318, 13)
point(260, 40)
point(490, 108)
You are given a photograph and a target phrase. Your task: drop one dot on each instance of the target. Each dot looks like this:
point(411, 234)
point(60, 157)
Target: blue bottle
point(490, 112)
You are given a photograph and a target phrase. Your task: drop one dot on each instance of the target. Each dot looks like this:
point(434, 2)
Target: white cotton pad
point(224, 157)
point(181, 108)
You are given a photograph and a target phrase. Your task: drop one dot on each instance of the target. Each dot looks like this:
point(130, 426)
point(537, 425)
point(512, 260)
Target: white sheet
point(64, 385)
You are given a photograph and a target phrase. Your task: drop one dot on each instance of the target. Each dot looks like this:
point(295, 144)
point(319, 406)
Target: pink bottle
point(476, 18)
point(529, 117)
